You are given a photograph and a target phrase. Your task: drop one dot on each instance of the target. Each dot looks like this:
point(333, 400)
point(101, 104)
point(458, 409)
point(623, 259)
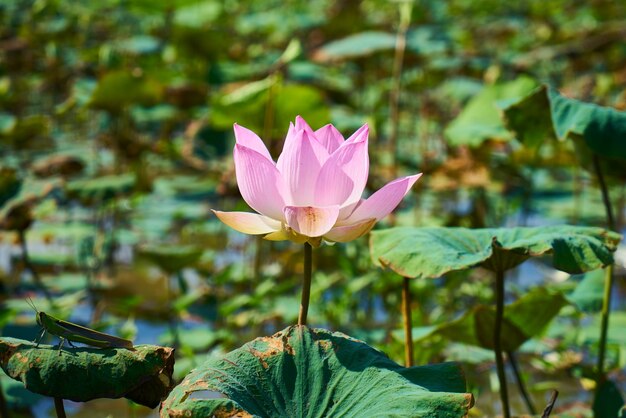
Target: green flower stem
point(608, 281)
point(306, 284)
point(58, 407)
point(497, 343)
point(520, 383)
point(408, 325)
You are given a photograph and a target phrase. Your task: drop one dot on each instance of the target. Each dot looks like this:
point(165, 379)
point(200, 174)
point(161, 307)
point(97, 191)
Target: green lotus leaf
point(524, 319)
point(143, 375)
point(305, 372)
point(432, 252)
point(544, 113)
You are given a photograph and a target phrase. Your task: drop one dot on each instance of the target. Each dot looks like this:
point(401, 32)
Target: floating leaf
point(304, 372)
point(524, 319)
point(432, 252)
point(142, 375)
point(544, 113)
point(480, 119)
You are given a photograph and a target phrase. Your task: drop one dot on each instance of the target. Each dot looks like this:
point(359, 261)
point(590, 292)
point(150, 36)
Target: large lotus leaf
point(305, 372)
point(432, 252)
point(544, 113)
point(480, 119)
point(171, 257)
point(524, 319)
point(143, 375)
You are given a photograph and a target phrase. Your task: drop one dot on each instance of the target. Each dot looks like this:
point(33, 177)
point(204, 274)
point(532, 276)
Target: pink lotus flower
point(313, 191)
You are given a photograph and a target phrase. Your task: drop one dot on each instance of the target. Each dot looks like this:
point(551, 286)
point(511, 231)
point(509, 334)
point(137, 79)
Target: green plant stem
point(608, 281)
point(408, 324)
point(58, 407)
point(497, 343)
point(29, 265)
point(520, 383)
point(306, 284)
point(604, 327)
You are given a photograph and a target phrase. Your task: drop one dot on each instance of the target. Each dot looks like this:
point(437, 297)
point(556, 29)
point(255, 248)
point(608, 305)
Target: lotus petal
point(381, 203)
point(259, 182)
point(248, 223)
point(311, 221)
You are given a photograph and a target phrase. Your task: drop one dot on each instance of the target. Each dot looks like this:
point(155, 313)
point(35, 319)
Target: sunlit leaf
point(432, 252)
point(304, 372)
